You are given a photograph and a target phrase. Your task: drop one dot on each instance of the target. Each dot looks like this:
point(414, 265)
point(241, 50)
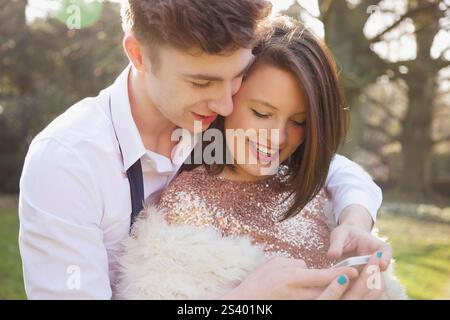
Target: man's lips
point(204, 119)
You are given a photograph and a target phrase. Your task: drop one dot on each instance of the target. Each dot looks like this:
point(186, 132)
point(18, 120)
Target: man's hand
point(283, 278)
point(346, 240)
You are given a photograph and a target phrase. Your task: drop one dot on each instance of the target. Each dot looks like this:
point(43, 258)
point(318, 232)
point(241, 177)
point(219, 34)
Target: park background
point(393, 57)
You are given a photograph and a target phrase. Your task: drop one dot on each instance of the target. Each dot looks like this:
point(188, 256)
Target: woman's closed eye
point(264, 116)
point(259, 114)
point(299, 123)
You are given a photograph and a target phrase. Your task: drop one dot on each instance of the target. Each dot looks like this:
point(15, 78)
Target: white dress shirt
point(75, 205)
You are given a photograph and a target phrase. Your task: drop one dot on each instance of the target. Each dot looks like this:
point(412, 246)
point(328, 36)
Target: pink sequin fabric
point(251, 209)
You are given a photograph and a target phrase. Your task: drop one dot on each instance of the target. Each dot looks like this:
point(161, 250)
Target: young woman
point(216, 223)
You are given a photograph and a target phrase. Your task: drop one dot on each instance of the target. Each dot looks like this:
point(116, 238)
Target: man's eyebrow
point(215, 78)
point(271, 106)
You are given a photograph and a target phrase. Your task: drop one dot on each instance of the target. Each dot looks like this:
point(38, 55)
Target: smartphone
point(353, 261)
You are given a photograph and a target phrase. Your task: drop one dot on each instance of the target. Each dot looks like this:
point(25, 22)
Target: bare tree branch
point(382, 130)
point(441, 56)
point(382, 106)
point(324, 8)
point(439, 64)
point(402, 18)
point(442, 139)
point(301, 9)
point(4, 3)
point(368, 3)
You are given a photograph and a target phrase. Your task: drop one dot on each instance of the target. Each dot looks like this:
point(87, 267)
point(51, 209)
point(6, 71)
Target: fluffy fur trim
point(162, 261)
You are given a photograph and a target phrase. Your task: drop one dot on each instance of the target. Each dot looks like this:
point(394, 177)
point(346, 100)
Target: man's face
point(189, 87)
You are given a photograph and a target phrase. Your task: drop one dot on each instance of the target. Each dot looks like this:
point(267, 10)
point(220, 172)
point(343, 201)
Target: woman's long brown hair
point(288, 45)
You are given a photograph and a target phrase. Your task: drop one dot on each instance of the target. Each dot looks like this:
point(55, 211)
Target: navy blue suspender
point(135, 179)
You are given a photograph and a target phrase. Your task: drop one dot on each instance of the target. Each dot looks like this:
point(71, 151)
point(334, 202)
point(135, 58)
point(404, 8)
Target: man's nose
point(223, 105)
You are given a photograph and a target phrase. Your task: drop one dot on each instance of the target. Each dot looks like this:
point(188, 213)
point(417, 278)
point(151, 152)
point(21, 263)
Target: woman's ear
point(134, 52)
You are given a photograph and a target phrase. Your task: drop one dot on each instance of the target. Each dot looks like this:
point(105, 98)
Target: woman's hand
point(283, 278)
point(370, 284)
point(348, 240)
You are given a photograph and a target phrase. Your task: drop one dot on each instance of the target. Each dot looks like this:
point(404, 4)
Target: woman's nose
point(278, 135)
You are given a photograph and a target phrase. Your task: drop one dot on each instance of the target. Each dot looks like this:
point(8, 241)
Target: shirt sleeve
point(348, 183)
point(60, 239)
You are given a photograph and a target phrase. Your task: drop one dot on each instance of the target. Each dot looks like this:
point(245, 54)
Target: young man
point(187, 60)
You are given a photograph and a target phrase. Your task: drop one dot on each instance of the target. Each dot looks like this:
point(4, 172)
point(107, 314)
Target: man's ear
point(134, 51)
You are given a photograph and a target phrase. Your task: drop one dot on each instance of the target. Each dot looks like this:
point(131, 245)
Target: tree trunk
point(415, 139)
point(417, 145)
point(359, 65)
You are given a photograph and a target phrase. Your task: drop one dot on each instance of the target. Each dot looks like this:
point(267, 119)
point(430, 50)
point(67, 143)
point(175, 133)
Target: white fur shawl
point(162, 261)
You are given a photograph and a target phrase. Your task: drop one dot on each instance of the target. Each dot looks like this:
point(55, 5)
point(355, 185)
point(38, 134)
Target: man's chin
point(196, 126)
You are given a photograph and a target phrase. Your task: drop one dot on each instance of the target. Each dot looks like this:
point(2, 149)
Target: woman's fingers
point(345, 240)
point(338, 238)
point(322, 277)
point(336, 288)
point(307, 294)
point(386, 255)
point(380, 247)
point(377, 292)
point(369, 280)
point(300, 263)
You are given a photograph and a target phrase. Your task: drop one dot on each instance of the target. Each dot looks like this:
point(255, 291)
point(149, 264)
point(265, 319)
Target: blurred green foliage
point(45, 68)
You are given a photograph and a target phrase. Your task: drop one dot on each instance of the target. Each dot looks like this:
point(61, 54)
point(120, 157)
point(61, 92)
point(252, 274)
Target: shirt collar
point(129, 138)
point(127, 132)
point(179, 154)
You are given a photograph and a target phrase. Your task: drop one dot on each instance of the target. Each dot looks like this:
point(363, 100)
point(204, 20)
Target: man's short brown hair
point(213, 26)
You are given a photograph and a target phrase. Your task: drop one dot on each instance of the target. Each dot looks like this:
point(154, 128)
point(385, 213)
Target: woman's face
point(270, 100)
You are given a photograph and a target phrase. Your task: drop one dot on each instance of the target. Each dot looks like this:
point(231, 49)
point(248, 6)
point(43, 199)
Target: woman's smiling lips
point(263, 153)
point(204, 119)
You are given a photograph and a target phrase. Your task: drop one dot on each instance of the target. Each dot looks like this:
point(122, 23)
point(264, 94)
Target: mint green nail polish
point(379, 254)
point(342, 280)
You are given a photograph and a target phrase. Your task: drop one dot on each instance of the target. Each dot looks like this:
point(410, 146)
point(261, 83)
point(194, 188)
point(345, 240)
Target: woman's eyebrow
point(267, 104)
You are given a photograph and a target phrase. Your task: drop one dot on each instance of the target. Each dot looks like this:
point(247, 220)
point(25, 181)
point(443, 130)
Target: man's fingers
point(322, 277)
point(336, 288)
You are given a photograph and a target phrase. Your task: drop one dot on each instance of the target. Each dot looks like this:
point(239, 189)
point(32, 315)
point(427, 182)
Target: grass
point(11, 283)
point(422, 254)
point(421, 250)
